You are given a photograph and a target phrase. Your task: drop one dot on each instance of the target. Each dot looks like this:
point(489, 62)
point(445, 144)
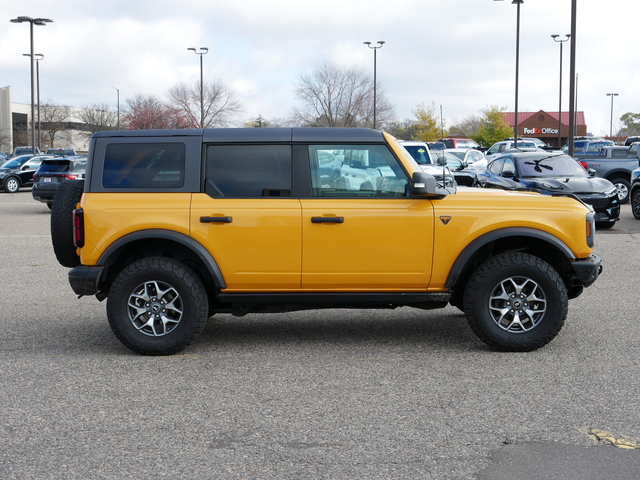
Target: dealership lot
point(401, 394)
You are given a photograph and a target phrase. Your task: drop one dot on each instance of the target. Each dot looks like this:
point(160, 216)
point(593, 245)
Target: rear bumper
point(44, 192)
point(84, 280)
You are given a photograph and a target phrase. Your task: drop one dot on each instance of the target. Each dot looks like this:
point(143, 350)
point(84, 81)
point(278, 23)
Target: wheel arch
point(542, 244)
point(162, 243)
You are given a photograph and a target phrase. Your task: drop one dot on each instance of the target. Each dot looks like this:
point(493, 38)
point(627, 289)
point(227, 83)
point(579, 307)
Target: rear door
point(247, 218)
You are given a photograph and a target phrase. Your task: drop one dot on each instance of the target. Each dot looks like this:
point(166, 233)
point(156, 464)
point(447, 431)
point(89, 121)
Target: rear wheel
point(64, 202)
point(622, 186)
point(12, 185)
point(516, 302)
point(157, 306)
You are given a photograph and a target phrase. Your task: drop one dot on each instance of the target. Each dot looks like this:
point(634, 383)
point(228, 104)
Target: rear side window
point(248, 171)
point(145, 165)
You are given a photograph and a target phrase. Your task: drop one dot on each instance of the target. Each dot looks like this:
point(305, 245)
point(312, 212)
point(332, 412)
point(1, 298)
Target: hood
point(569, 184)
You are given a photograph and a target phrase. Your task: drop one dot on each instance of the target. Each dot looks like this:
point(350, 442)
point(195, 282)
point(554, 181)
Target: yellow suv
point(173, 226)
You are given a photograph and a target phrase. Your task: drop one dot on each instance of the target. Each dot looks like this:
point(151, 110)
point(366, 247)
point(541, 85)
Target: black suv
point(52, 173)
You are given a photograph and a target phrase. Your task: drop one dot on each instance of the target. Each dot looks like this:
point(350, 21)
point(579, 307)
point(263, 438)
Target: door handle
point(327, 219)
point(216, 219)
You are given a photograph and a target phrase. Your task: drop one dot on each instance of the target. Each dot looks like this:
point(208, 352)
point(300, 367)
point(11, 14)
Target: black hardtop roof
point(254, 135)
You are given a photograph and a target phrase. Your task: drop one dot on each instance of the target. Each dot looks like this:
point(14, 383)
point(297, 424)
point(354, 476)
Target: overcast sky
point(456, 53)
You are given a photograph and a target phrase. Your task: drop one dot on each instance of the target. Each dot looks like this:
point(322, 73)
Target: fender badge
point(445, 219)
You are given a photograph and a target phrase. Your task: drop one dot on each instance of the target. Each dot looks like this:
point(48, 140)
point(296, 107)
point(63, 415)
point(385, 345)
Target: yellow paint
point(608, 438)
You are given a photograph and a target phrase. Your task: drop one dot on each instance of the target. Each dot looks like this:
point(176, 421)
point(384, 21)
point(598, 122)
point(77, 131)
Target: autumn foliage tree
point(149, 112)
point(492, 127)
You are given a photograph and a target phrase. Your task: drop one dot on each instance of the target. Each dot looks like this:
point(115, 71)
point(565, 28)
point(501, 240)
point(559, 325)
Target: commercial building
point(544, 125)
point(15, 126)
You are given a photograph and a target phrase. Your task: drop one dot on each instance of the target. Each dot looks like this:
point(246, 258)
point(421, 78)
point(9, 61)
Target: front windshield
point(14, 163)
point(420, 153)
point(550, 166)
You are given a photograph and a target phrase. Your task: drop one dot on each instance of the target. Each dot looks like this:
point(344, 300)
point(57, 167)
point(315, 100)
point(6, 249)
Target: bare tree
point(97, 117)
point(220, 104)
point(336, 97)
point(468, 126)
point(53, 120)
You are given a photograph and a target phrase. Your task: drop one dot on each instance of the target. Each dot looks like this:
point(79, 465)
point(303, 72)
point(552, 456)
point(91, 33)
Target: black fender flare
point(193, 245)
point(478, 243)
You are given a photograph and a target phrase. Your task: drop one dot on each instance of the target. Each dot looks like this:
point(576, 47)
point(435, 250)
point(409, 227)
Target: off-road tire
point(64, 202)
point(511, 288)
point(157, 306)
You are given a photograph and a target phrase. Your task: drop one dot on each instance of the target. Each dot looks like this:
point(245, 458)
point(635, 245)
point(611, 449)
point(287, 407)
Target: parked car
point(61, 152)
point(588, 147)
point(420, 152)
point(468, 156)
point(553, 174)
point(615, 164)
point(52, 173)
point(500, 147)
point(631, 140)
point(463, 175)
point(24, 150)
point(634, 193)
point(17, 172)
point(459, 142)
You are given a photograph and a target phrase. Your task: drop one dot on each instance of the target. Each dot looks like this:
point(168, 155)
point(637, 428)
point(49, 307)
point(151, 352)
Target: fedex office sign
point(540, 131)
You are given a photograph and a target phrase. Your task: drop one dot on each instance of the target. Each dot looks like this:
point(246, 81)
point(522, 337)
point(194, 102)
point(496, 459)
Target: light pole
point(555, 39)
point(40, 22)
point(515, 120)
point(611, 125)
point(573, 79)
point(201, 52)
point(375, 81)
point(39, 57)
point(118, 103)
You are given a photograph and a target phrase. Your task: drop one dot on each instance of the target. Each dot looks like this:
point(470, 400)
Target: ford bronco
point(173, 226)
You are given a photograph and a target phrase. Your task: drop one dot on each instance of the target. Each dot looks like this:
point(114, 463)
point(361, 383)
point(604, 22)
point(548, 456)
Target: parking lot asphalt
point(335, 394)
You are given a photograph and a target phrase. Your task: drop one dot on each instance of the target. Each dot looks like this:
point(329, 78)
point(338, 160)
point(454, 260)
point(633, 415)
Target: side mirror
point(509, 174)
point(591, 172)
point(441, 161)
point(423, 184)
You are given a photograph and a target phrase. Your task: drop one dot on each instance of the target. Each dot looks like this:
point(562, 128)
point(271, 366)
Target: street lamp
point(611, 126)
point(40, 22)
point(515, 120)
point(39, 57)
point(201, 52)
point(555, 39)
point(375, 85)
point(118, 100)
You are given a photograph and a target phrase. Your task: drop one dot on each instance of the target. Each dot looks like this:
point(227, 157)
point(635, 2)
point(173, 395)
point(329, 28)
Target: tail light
point(78, 227)
point(70, 177)
point(584, 165)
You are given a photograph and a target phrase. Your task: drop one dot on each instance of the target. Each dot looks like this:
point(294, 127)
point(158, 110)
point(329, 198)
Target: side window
point(248, 171)
point(509, 167)
point(357, 171)
point(496, 167)
point(144, 165)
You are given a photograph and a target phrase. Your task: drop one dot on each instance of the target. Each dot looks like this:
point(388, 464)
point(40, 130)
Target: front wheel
point(157, 306)
point(516, 302)
point(635, 204)
point(11, 185)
